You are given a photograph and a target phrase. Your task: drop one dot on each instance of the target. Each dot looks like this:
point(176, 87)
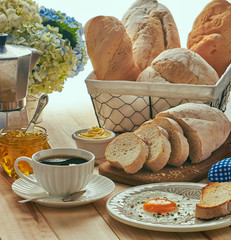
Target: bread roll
point(179, 65)
point(127, 151)
point(210, 36)
point(152, 29)
point(110, 49)
point(159, 145)
point(179, 143)
point(215, 201)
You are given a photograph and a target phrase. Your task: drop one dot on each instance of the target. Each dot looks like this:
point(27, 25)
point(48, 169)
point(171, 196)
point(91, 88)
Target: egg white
point(133, 208)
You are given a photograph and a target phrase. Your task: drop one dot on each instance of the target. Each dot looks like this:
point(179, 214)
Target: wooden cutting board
point(186, 173)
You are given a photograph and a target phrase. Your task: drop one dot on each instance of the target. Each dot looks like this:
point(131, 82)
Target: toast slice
point(215, 201)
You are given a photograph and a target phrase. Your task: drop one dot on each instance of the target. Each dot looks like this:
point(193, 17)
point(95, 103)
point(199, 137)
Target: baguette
point(127, 151)
point(151, 28)
point(215, 201)
point(110, 49)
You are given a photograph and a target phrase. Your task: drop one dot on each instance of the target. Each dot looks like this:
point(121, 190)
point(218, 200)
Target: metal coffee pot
point(16, 63)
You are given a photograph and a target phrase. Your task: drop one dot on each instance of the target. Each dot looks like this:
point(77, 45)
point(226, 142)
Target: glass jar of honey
point(14, 143)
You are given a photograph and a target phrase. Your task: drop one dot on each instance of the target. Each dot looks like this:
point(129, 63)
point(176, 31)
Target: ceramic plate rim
point(57, 203)
point(208, 225)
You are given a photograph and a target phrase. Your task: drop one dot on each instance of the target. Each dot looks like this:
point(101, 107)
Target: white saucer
point(98, 187)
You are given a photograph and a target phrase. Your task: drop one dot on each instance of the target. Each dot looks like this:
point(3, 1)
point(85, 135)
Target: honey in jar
point(14, 143)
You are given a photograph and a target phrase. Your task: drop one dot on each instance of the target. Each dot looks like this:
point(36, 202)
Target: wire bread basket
point(122, 106)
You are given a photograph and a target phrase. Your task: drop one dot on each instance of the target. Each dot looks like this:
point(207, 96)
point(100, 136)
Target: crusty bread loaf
point(210, 36)
point(189, 129)
point(159, 145)
point(198, 111)
point(179, 143)
point(152, 29)
point(179, 65)
point(205, 127)
point(150, 75)
point(110, 49)
point(203, 136)
point(215, 201)
point(127, 151)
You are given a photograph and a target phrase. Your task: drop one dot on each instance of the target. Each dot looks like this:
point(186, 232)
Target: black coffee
point(62, 160)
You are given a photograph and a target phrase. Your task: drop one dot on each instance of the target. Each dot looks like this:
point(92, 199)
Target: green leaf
point(67, 32)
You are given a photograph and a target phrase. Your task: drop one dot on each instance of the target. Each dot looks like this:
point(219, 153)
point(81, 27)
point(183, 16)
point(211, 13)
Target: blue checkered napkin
point(220, 171)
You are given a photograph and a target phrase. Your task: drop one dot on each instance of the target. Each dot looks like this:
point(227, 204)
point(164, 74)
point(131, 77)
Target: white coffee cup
point(59, 180)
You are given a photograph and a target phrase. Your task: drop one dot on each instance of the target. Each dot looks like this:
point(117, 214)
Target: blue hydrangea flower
point(58, 36)
point(71, 30)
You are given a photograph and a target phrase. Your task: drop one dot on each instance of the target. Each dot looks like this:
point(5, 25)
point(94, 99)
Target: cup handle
point(27, 159)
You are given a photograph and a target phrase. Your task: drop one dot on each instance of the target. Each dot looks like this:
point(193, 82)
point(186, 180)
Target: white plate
point(191, 190)
point(98, 187)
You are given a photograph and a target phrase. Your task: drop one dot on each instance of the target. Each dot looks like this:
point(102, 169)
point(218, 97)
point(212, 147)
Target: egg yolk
point(159, 206)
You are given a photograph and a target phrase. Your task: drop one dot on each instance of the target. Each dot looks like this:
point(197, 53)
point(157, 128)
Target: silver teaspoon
point(68, 198)
point(43, 100)
point(74, 196)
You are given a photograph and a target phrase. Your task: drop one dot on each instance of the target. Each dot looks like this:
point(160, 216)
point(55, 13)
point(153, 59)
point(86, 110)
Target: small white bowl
point(95, 146)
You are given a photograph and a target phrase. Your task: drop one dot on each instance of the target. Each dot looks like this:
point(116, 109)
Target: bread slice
point(127, 151)
point(215, 201)
point(159, 145)
point(179, 143)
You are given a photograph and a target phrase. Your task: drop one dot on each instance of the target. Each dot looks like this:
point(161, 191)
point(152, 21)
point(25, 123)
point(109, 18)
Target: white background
point(183, 11)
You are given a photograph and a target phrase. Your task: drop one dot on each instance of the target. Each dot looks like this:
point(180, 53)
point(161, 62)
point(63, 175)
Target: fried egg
point(160, 207)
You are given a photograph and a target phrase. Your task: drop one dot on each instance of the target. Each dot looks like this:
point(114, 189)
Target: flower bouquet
point(57, 36)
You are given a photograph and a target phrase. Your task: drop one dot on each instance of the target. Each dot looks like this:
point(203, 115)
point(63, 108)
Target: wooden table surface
point(27, 221)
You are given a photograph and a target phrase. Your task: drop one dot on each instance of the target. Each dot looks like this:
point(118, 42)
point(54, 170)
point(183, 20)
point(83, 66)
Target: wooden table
point(32, 221)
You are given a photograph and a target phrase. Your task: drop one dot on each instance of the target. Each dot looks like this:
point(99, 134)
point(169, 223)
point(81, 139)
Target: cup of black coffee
point(59, 171)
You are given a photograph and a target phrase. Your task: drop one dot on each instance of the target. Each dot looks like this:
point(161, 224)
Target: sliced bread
point(215, 201)
point(158, 143)
point(203, 137)
point(205, 127)
point(179, 143)
point(127, 151)
point(198, 111)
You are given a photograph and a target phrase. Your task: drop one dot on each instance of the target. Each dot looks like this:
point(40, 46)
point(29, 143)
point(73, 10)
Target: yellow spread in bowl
point(94, 133)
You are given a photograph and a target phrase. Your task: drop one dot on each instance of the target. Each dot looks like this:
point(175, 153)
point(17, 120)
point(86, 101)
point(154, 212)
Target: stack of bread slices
point(190, 130)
